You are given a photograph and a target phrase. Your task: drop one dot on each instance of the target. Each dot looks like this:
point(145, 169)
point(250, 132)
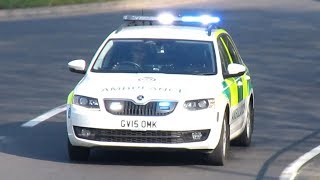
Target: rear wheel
point(219, 154)
point(77, 153)
point(245, 138)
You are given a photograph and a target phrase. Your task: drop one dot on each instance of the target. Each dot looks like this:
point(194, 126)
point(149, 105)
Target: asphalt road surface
point(281, 46)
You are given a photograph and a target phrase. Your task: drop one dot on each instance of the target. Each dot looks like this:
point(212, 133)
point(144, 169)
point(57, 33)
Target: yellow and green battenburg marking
point(232, 92)
point(70, 97)
point(235, 94)
point(231, 86)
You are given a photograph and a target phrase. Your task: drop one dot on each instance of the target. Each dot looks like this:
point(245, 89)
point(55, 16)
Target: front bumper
point(179, 130)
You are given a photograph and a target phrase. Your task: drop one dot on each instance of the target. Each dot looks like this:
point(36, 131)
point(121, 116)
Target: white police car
point(162, 82)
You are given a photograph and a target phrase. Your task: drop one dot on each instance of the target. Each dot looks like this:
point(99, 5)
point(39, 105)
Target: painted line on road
point(45, 116)
point(292, 170)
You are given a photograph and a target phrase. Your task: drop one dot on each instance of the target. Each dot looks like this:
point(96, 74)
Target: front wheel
point(77, 153)
point(219, 154)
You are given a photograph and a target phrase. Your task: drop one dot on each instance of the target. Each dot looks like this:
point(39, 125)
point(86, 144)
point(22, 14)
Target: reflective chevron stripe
point(245, 86)
point(231, 90)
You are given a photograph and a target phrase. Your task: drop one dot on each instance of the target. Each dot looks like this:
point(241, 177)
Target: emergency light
point(167, 19)
point(204, 19)
point(210, 22)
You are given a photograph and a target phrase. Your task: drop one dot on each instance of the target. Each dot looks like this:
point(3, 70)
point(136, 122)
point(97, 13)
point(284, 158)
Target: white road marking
point(45, 116)
point(292, 170)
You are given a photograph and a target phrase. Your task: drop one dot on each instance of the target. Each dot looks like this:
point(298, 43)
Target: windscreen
point(156, 56)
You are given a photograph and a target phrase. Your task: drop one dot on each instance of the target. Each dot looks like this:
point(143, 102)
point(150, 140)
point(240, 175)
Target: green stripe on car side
point(226, 91)
point(245, 86)
point(240, 90)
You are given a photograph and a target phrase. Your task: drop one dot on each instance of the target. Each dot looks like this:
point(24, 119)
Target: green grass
point(11, 4)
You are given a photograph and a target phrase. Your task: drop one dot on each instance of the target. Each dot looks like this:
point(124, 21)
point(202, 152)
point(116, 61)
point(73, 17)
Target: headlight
point(199, 104)
point(87, 102)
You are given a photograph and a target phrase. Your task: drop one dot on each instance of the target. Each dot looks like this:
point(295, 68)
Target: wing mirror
point(77, 66)
point(235, 70)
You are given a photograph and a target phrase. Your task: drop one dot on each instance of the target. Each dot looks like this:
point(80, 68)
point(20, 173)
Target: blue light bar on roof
point(167, 19)
point(204, 19)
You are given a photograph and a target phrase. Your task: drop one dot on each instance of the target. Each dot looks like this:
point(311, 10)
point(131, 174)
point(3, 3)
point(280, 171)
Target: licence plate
point(138, 125)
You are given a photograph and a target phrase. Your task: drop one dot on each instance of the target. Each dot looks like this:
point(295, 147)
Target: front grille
point(128, 136)
point(132, 109)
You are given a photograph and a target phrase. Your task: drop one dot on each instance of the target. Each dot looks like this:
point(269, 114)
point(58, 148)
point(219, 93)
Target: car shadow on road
point(48, 142)
point(145, 158)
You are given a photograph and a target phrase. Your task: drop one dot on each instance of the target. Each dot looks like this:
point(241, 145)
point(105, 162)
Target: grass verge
point(11, 4)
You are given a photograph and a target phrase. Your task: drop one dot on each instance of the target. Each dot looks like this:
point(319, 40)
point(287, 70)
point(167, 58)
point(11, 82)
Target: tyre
point(219, 154)
point(245, 137)
point(77, 153)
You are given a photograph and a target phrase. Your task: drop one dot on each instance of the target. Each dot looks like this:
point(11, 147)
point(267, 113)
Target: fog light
point(85, 133)
point(196, 135)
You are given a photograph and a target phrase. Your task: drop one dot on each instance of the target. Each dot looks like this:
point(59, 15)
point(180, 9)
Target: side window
point(224, 57)
point(232, 50)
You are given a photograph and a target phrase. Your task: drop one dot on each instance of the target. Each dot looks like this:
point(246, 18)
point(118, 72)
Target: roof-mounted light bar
point(204, 19)
point(167, 19)
point(210, 22)
point(139, 18)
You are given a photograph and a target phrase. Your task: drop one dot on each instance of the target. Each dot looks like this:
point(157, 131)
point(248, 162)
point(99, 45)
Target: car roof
point(163, 32)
